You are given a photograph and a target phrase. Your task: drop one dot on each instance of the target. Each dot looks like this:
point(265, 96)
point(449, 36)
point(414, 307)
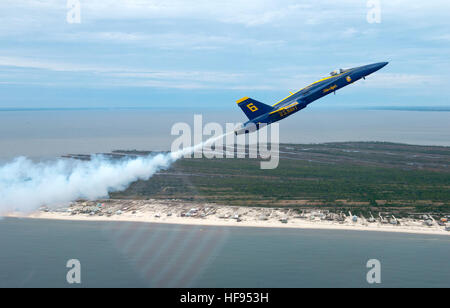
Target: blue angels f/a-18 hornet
point(259, 113)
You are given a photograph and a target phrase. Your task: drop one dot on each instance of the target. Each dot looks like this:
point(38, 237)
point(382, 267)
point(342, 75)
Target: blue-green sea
point(34, 253)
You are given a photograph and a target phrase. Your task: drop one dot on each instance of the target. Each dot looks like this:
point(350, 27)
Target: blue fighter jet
point(259, 113)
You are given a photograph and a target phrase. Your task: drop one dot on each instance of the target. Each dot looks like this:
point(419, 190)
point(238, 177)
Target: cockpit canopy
point(337, 72)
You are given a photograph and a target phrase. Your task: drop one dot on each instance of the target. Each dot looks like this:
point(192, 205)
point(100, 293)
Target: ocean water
point(112, 254)
point(49, 133)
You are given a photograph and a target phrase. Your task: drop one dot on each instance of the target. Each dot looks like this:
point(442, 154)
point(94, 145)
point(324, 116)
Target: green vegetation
point(357, 176)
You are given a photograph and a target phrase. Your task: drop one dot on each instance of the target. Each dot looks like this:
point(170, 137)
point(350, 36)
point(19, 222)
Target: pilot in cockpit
point(337, 72)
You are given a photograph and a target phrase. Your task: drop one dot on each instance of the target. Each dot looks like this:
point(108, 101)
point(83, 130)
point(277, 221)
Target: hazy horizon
point(51, 133)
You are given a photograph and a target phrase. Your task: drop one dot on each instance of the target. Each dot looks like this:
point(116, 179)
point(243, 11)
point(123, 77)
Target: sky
point(209, 53)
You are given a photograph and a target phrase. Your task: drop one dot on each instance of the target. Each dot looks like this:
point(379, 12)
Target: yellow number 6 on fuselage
point(252, 107)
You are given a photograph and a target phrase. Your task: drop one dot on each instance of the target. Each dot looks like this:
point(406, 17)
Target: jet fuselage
point(260, 113)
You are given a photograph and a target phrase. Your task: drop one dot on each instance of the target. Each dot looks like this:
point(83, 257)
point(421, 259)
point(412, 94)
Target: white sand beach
point(179, 212)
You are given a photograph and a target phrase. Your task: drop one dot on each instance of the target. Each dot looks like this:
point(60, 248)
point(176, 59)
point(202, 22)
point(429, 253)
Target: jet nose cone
point(379, 65)
point(369, 69)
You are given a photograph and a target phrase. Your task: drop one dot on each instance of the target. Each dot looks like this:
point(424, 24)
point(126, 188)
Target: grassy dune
point(360, 176)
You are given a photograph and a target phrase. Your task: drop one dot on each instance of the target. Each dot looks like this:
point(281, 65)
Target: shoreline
point(300, 224)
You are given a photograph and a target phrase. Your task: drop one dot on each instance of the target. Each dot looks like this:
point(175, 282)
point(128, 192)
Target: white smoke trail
point(26, 185)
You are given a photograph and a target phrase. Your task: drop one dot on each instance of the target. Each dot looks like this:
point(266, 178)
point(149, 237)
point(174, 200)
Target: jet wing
point(284, 107)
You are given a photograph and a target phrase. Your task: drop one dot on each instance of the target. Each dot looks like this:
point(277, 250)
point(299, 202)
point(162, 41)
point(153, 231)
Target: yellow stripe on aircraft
point(242, 99)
